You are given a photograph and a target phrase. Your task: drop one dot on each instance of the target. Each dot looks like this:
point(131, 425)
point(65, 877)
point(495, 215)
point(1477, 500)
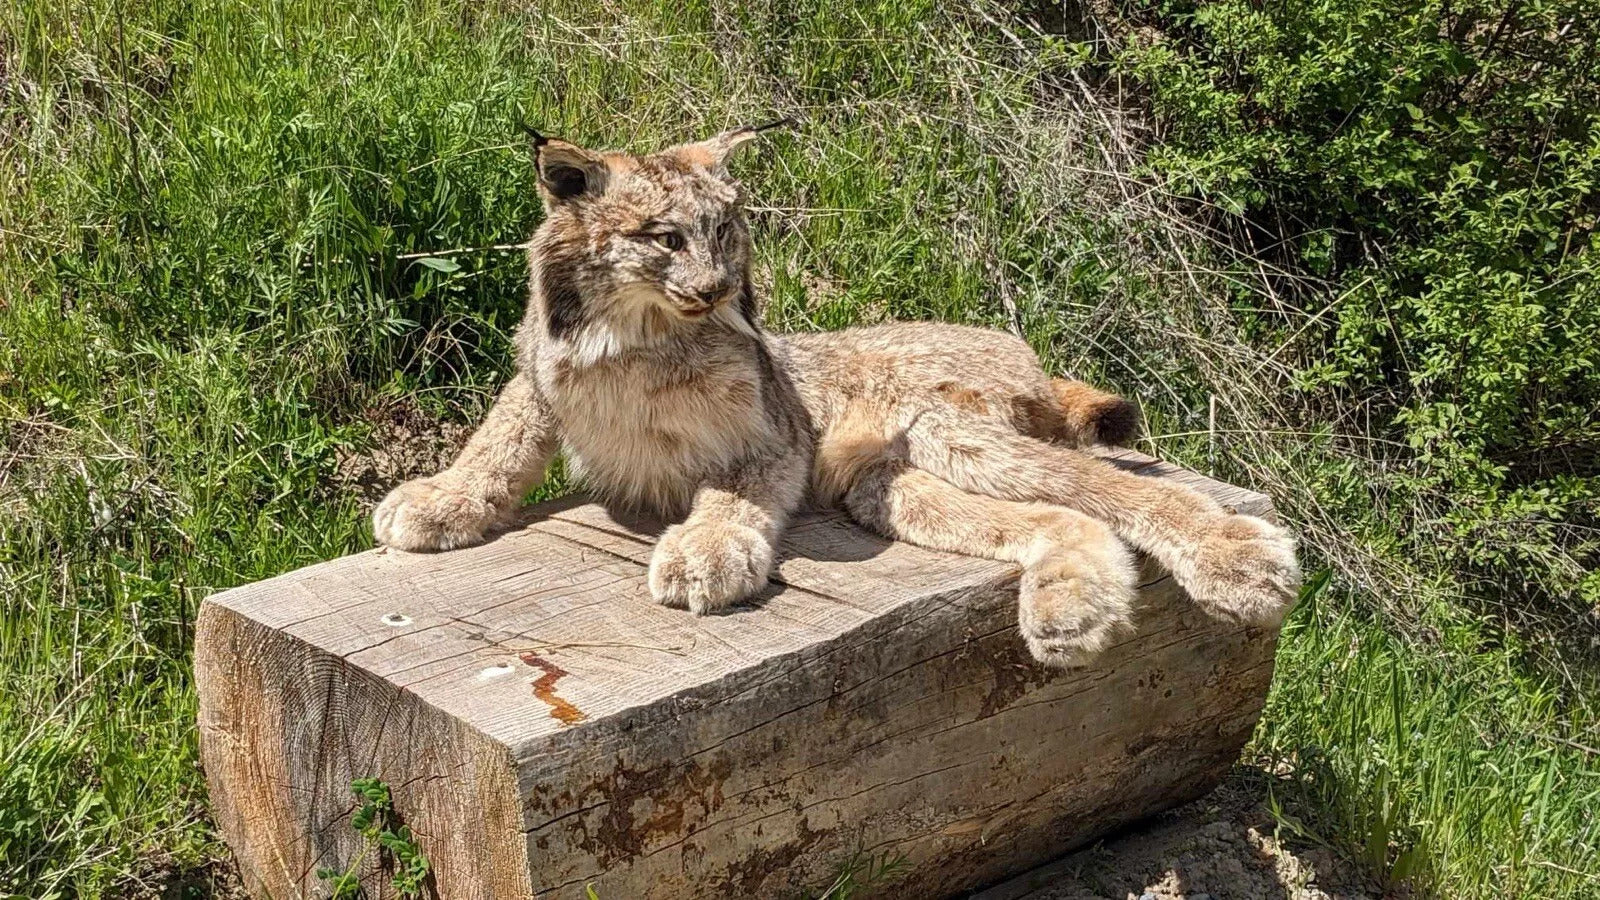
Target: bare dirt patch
point(405, 443)
point(1220, 847)
point(161, 878)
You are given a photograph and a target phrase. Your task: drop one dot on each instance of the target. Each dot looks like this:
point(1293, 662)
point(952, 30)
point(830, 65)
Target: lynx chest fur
point(646, 426)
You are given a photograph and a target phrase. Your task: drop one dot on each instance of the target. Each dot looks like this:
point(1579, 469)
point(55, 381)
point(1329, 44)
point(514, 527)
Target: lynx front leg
point(722, 553)
point(1078, 584)
point(1236, 566)
point(457, 507)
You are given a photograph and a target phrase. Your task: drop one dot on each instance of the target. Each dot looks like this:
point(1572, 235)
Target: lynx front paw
point(1076, 601)
point(423, 515)
point(704, 567)
point(1244, 570)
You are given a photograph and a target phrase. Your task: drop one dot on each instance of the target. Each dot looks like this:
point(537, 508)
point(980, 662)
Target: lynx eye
point(670, 240)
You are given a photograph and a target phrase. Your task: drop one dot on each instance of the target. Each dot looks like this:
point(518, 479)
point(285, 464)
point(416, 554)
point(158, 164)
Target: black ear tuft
point(565, 182)
point(533, 134)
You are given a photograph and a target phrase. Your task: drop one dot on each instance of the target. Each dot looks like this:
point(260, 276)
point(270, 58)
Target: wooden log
point(545, 726)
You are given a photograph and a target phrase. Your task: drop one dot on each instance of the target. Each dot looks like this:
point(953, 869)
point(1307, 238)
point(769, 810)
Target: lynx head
point(633, 247)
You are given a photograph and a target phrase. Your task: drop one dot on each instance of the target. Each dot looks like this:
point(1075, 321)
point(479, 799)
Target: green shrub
point(1433, 168)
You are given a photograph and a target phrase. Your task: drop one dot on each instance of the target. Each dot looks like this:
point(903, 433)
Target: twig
point(456, 250)
point(1592, 751)
point(35, 237)
point(1560, 868)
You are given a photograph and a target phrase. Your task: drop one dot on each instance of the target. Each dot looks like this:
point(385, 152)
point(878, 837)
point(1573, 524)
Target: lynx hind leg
point(1092, 416)
point(1078, 580)
point(1246, 571)
point(1078, 588)
point(1234, 566)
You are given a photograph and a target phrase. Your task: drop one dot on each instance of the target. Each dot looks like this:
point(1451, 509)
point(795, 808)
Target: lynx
point(643, 355)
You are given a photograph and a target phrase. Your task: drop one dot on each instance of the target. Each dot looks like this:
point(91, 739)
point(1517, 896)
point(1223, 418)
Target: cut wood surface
point(546, 726)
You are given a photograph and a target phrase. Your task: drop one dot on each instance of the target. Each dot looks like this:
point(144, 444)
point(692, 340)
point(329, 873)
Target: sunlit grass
point(1445, 764)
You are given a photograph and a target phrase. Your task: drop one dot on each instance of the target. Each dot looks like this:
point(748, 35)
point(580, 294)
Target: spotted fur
point(642, 355)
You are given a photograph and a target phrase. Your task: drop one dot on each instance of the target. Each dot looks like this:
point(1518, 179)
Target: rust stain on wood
point(544, 687)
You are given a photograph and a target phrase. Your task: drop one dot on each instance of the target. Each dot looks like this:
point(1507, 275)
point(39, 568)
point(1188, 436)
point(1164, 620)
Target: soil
point(405, 443)
point(163, 879)
point(1221, 847)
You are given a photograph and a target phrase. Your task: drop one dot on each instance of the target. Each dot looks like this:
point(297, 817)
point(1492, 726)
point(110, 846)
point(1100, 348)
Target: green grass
point(1445, 763)
point(208, 307)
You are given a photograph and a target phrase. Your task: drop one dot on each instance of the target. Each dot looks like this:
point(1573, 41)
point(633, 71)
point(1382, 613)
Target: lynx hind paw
point(1074, 604)
point(704, 567)
point(1245, 571)
point(422, 515)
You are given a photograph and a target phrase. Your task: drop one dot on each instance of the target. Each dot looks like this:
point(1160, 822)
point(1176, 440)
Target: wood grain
point(546, 726)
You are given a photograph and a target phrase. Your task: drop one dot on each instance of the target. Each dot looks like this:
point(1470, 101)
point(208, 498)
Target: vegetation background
point(253, 269)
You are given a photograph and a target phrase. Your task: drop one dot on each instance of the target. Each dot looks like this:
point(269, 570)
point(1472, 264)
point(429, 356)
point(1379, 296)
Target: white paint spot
point(397, 620)
point(495, 671)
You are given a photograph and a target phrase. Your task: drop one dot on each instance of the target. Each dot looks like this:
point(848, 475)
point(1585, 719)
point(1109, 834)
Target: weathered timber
point(545, 726)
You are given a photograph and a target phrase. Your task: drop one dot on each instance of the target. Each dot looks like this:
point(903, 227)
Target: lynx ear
point(567, 172)
point(713, 153)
